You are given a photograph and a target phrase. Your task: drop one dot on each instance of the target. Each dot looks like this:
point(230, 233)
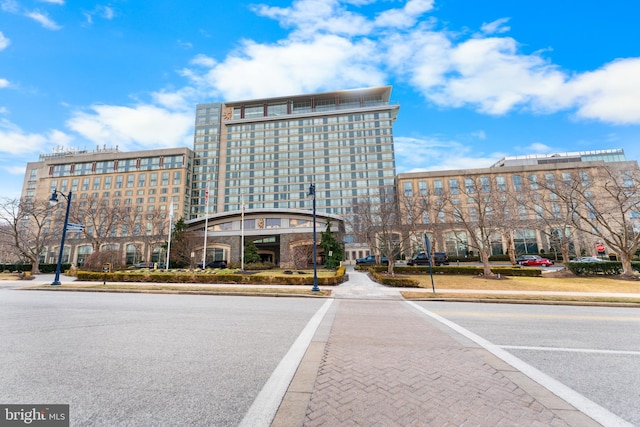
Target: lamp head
point(53, 200)
point(312, 191)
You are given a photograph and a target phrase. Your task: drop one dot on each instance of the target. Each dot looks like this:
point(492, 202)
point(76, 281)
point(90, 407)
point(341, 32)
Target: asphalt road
point(593, 350)
point(144, 360)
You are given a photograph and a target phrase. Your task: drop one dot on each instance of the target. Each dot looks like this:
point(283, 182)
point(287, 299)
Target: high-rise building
point(266, 152)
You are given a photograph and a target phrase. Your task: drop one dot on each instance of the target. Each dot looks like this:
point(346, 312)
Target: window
point(96, 183)
point(422, 186)
point(469, 186)
point(533, 182)
point(107, 182)
point(584, 178)
point(119, 179)
point(437, 187)
point(176, 178)
point(408, 189)
point(501, 184)
point(550, 179)
point(517, 183)
point(85, 184)
point(453, 186)
point(130, 180)
point(142, 179)
point(485, 185)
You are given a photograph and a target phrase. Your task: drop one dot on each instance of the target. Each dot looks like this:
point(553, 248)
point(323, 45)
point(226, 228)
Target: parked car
point(534, 262)
point(439, 258)
point(589, 259)
point(526, 258)
point(371, 260)
point(215, 264)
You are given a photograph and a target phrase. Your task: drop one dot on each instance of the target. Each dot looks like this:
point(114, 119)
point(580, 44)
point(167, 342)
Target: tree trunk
point(484, 257)
point(35, 266)
point(627, 269)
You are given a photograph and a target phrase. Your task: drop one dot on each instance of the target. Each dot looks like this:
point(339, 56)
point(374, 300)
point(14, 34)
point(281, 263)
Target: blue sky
point(475, 80)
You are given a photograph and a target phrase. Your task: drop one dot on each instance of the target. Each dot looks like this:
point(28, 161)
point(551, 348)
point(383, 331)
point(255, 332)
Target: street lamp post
point(312, 193)
point(53, 200)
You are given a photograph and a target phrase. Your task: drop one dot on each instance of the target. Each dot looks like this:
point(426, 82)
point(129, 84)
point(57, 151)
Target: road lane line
point(580, 402)
point(570, 350)
point(265, 406)
point(537, 316)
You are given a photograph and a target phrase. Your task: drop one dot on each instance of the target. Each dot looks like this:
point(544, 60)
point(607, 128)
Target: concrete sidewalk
point(376, 361)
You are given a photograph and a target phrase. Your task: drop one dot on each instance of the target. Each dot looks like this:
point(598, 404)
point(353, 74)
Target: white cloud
point(105, 12)
point(311, 17)
point(60, 2)
point(43, 19)
point(496, 27)
point(4, 41)
point(405, 17)
point(609, 94)
point(15, 170)
point(203, 60)
point(15, 141)
point(142, 126)
point(4, 83)
point(538, 147)
point(292, 67)
point(435, 153)
point(11, 6)
point(489, 74)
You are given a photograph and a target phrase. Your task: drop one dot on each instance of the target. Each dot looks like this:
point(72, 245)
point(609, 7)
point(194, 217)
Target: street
point(593, 350)
point(144, 360)
point(147, 359)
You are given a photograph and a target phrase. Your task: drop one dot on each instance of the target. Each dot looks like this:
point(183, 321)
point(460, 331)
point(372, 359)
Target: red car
point(538, 261)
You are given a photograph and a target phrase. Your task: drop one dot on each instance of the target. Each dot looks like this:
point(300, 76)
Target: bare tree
point(552, 215)
point(99, 218)
point(606, 205)
point(30, 226)
point(480, 212)
point(377, 221)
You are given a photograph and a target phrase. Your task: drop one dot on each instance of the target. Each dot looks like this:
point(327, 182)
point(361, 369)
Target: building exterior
point(266, 152)
point(517, 199)
point(281, 236)
point(122, 198)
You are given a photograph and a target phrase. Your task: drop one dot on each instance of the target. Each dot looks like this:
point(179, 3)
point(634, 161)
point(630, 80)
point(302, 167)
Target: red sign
point(600, 248)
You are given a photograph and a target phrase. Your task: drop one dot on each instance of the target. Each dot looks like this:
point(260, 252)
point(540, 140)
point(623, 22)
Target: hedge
point(395, 282)
point(463, 270)
point(203, 277)
point(44, 268)
point(608, 268)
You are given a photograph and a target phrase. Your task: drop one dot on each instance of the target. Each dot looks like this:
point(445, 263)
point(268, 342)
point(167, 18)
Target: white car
point(589, 259)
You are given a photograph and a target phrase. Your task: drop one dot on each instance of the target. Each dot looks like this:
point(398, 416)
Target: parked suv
point(371, 260)
point(214, 264)
point(439, 258)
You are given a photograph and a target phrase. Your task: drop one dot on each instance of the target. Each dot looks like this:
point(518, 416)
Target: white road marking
point(570, 350)
point(586, 406)
point(266, 404)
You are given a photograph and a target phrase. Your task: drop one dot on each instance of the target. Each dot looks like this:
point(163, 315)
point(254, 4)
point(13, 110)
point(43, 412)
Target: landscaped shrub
point(395, 282)
point(469, 270)
point(592, 268)
point(187, 276)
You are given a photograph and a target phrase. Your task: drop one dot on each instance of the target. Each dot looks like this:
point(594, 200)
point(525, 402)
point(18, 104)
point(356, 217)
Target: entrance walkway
point(377, 361)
